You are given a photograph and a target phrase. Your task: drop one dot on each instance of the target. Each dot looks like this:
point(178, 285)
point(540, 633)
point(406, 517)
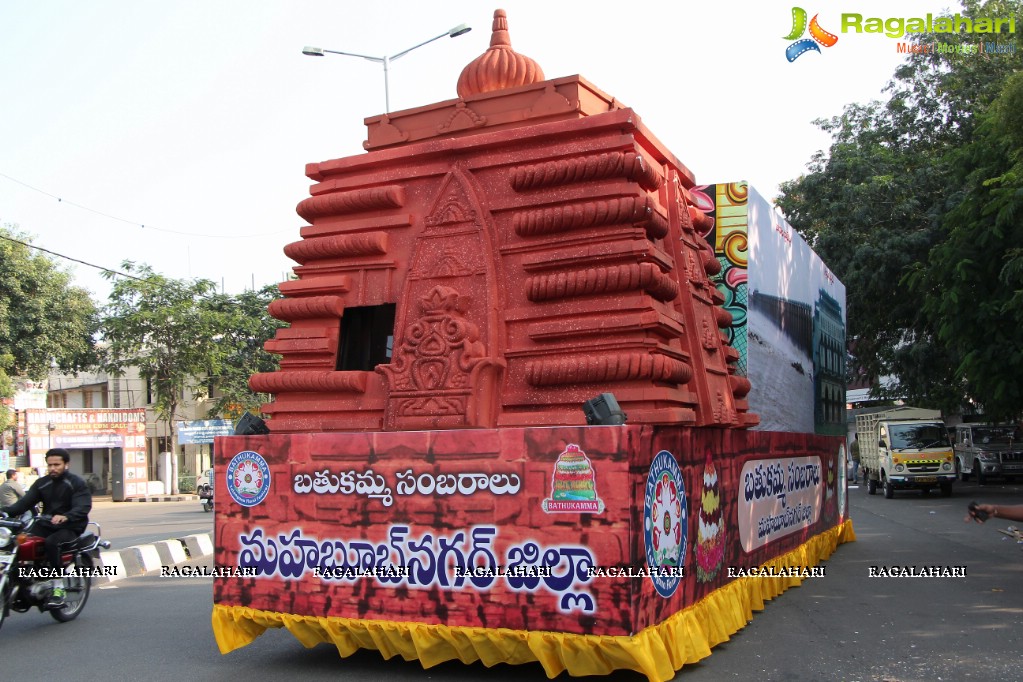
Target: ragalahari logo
point(817, 35)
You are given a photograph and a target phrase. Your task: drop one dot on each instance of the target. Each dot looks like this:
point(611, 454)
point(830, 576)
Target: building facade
point(93, 416)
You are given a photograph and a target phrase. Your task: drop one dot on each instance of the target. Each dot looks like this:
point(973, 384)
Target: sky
point(176, 134)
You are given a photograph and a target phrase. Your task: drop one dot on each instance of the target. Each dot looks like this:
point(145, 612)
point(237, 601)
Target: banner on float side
point(588, 530)
point(788, 312)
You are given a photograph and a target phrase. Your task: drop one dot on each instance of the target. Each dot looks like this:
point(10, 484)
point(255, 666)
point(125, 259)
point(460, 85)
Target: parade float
point(509, 425)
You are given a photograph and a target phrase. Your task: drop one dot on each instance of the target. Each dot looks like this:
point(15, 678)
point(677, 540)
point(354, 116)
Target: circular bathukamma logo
point(248, 478)
point(665, 523)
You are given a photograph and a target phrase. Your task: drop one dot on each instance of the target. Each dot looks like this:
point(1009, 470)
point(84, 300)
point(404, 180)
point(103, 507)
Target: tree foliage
point(247, 325)
point(168, 329)
point(185, 338)
point(44, 319)
point(6, 391)
point(893, 208)
point(975, 276)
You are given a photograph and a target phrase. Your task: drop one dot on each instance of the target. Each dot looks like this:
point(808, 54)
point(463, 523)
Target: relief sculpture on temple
point(437, 364)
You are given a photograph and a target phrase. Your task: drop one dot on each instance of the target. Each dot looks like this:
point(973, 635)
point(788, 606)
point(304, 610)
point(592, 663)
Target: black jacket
point(68, 496)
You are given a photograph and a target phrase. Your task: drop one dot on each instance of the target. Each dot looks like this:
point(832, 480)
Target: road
point(843, 626)
point(132, 523)
point(849, 626)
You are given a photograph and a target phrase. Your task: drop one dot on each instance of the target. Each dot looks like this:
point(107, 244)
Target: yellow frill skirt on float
point(658, 651)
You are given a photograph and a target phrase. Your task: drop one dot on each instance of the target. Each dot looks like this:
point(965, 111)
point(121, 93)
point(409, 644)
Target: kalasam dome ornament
point(500, 67)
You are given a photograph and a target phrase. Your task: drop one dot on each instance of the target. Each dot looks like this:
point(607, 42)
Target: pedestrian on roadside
point(11, 490)
point(854, 455)
point(982, 512)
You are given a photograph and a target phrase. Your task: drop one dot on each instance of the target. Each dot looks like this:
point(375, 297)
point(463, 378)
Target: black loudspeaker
point(251, 425)
point(603, 410)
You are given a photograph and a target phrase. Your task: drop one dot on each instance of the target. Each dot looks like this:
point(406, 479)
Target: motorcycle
point(24, 571)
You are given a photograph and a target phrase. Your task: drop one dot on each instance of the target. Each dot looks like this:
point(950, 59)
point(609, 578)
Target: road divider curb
point(172, 552)
point(164, 498)
point(198, 545)
point(112, 560)
point(141, 559)
point(147, 559)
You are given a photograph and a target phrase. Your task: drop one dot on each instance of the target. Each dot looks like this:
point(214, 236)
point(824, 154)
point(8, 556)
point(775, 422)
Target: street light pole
point(461, 29)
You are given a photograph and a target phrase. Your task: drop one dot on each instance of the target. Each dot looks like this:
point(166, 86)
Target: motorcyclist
point(67, 499)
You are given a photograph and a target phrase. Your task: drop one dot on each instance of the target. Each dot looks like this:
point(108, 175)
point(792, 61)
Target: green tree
point(45, 321)
point(247, 325)
point(972, 284)
point(6, 392)
point(875, 206)
point(168, 329)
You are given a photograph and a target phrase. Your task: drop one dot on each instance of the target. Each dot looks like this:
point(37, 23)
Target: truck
point(905, 448)
point(988, 450)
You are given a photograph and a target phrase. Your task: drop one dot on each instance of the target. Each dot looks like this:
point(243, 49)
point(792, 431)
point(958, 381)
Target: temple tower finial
point(500, 67)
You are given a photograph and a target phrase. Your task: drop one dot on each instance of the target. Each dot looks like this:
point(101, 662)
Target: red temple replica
point(430, 486)
point(522, 245)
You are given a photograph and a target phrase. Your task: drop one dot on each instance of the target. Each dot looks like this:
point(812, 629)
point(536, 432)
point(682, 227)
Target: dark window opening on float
point(367, 337)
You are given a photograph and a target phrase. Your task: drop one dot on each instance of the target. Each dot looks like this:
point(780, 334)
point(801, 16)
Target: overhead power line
point(133, 223)
point(60, 255)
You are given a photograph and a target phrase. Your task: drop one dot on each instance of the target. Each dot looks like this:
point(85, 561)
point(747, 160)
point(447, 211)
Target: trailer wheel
point(871, 486)
point(889, 489)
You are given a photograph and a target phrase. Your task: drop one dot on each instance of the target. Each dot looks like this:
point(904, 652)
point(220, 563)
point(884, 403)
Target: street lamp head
point(461, 29)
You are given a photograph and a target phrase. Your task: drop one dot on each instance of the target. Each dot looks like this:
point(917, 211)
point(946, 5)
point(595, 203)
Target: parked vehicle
point(905, 447)
point(988, 450)
point(204, 486)
point(25, 575)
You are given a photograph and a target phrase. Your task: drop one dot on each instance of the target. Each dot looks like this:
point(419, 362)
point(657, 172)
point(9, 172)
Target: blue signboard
point(202, 432)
